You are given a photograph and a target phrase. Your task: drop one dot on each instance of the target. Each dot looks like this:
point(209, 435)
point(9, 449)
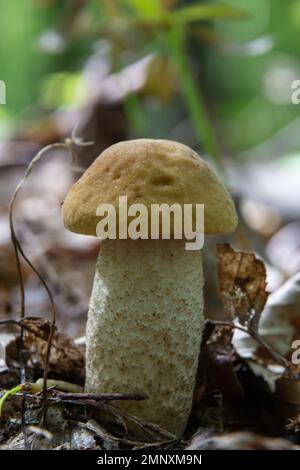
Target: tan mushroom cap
point(148, 171)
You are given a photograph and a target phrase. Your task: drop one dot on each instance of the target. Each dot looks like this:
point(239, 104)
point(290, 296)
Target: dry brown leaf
point(217, 366)
point(279, 326)
point(242, 281)
point(280, 322)
point(66, 358)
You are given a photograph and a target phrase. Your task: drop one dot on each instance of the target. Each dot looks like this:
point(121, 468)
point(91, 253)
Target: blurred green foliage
point(233, 64)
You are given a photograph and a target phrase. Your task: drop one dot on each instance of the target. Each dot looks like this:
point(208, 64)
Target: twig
point(93, 426)
point(105, 435)
point(67, 145)
point(120, 415)
point(275, 354)
point(102, 396)
point(69, 397)
point(21, 324)
point(18, 250)
point(10, 322)
point(99, 402)
point(146, 425)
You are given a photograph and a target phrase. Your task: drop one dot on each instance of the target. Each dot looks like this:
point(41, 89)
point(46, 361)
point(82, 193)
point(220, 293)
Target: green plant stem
point(135, 114)
point(7, 394)
point(194, 101)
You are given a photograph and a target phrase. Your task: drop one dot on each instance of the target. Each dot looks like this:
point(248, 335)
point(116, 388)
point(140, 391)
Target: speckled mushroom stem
point(145, 325)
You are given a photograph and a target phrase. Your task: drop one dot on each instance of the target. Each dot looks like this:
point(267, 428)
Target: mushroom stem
point(144, 327)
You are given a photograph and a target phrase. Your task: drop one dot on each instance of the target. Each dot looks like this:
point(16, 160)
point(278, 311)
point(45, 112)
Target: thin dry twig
point(63, 397)
point(93, 426)
point(23, 325)
point(19, 251)
point(99, 402)
point(69, 146)
point(10, 322)
point(102, 396)
point(254, 334)
point(145, 425)
point(105, 435)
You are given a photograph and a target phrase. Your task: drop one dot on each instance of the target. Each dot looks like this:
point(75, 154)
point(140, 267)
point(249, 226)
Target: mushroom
point(145, 318)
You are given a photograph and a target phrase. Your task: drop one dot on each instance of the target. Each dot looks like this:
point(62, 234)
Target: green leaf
point(207, 12)
point(152, 13)
point(192, 95)
point(135, 114)
point(146, 9)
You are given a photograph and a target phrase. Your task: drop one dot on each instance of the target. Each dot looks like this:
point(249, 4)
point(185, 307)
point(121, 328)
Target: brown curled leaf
point(218, 364)
point(66, 358)
point(242, 281)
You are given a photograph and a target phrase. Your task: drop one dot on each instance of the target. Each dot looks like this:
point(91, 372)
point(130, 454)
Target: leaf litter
point(252, 344)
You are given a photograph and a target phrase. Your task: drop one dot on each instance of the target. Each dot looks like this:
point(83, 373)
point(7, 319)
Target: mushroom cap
point(148, 171)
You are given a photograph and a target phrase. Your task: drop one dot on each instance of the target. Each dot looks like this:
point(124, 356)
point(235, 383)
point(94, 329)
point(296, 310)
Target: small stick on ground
point(69, 146)
point(102, 396)
point(275, 354)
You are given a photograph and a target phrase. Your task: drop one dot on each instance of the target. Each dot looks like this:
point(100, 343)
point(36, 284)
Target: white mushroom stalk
point(145, 326)
point(146, 312)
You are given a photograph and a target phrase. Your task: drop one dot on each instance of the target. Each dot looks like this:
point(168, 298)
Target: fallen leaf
point(217, 365)
point(242, 281)
point(66, 358)
point(280, 321)
point(279, 326)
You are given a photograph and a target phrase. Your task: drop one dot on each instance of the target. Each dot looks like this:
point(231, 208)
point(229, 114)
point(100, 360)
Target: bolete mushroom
point(145, 319)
